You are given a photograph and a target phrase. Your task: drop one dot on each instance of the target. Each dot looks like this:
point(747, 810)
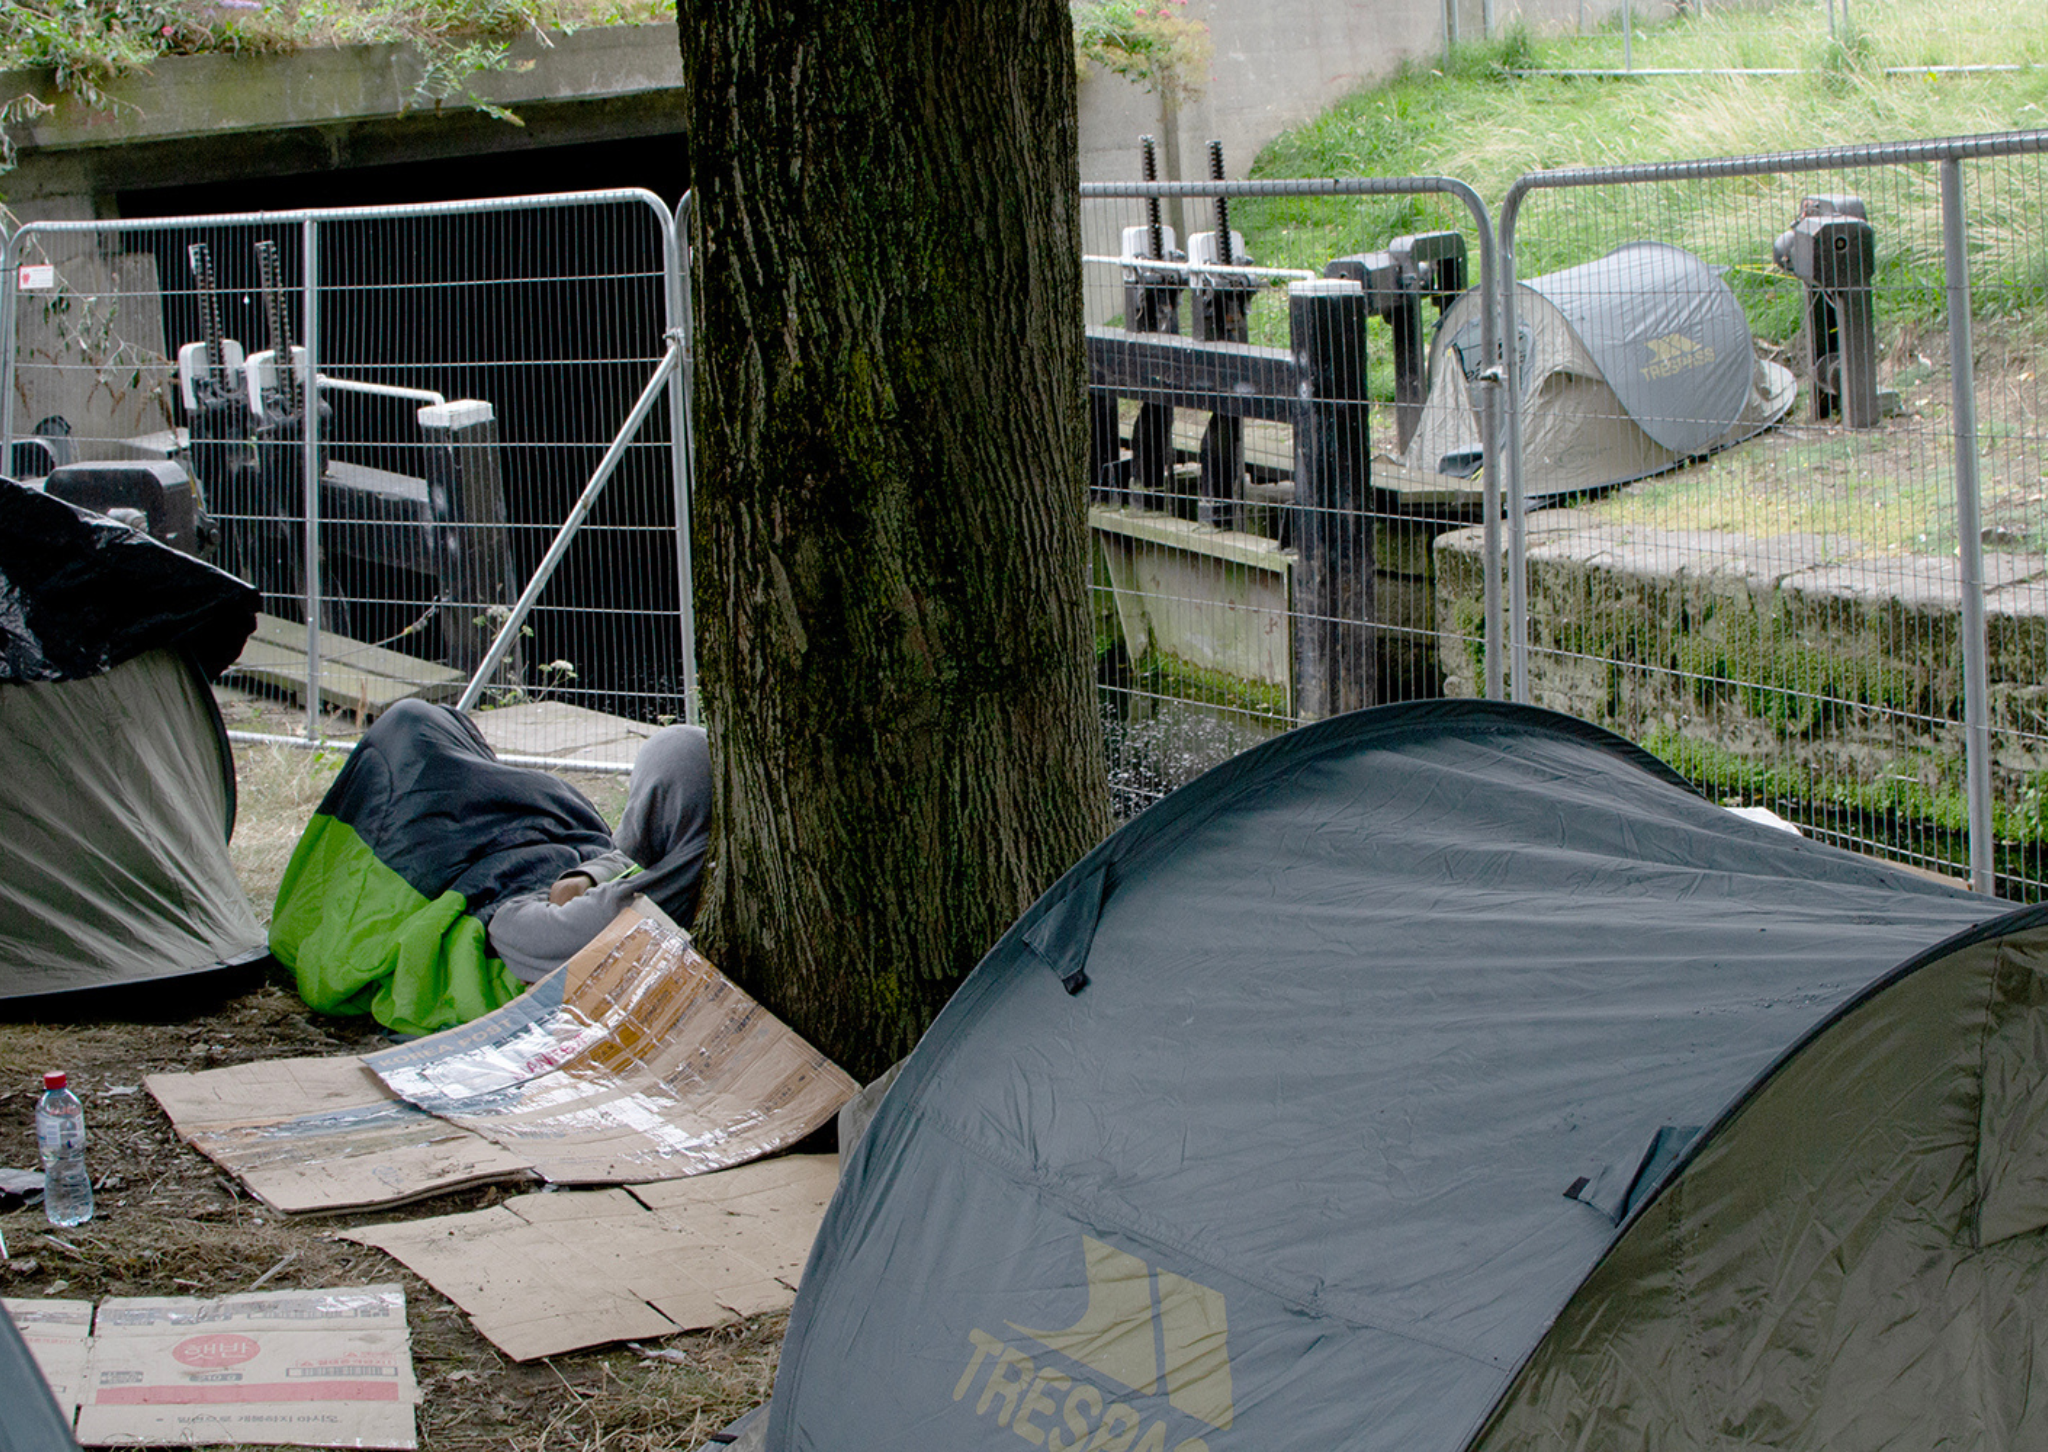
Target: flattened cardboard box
point(323, 1368)
point(325, 1135)
point(57, 1333)
point(547, 1273)
point(635, 1061)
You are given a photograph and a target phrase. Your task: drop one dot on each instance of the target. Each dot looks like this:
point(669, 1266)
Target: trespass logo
point(1674, 353)
point(1144, 1330)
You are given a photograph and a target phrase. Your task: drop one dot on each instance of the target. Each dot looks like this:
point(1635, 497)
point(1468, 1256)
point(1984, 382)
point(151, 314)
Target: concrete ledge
point(1217, 602)
point(209, 95)
point(558, 729)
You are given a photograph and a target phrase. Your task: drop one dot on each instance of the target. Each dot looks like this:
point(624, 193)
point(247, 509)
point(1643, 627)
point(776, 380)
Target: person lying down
point(435, 882)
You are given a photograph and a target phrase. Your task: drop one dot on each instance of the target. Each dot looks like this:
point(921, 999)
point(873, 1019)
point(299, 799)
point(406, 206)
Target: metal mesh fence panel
point(1740, 438)
point(101, 319)
point(468, 367)
point(1257, 354)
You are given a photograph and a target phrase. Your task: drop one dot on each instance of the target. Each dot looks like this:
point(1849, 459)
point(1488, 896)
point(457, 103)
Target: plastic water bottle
point(60, 1135)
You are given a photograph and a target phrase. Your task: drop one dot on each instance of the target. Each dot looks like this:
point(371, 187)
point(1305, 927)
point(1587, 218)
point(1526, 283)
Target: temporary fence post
point(1517, 510)
point(1970, 541)
point(682, 438)
point(1489, 423)
point(1490, 378)
point(1333, 650)
point(10, 305)
point(309, 235)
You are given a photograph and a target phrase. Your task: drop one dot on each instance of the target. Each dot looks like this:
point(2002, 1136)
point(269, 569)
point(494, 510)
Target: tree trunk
point(890, 517)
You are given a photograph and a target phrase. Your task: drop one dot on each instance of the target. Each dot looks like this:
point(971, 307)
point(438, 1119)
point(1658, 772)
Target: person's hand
point(568, 888)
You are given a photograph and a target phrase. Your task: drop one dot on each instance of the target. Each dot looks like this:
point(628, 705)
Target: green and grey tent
point(1629, 365)
point(1452, 1076)
point(119, 792)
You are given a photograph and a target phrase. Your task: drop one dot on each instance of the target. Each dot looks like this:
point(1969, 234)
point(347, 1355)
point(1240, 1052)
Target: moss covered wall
point(1776, 666)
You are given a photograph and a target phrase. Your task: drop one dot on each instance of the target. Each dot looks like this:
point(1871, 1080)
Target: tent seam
point(1975, 1228)
point(1998, 930)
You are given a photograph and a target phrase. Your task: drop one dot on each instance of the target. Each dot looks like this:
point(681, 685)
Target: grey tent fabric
point(1854, 1263)
point(118, 795)
point(1668, 336)
point(119, 792)
point(33, 1421)
point(1629, 365)
point(1389, 1037)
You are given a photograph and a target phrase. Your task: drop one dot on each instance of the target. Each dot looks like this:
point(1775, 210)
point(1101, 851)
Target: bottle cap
point(54, 1079)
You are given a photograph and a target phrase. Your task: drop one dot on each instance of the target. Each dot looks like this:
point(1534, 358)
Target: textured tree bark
point(890, 518)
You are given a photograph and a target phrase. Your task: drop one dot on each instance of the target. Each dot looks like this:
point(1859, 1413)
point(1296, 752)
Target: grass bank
point(1498, 111)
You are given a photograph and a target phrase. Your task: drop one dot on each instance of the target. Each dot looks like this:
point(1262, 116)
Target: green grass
point(1914, 810)
point(1842, 487)
point(1489, 117)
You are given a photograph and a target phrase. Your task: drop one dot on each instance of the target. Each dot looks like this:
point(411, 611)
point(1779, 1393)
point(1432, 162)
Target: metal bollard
point(1832, 249)
point(1427, 265)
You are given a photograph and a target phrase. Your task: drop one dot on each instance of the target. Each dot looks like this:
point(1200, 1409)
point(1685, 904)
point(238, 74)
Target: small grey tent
point(1451, 1076)
point(1629, 366)
point(119, 791)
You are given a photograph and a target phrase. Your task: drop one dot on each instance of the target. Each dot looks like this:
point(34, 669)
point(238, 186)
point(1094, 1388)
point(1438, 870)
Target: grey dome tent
point(1629, 365)
point(119, 791)
point(1448, 1076)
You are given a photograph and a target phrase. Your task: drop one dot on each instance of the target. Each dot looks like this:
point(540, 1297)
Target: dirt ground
point(168, 1223)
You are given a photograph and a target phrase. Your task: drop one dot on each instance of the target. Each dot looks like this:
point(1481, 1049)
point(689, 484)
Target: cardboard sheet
point(325, 1135)
point(634, 1061)
point(326, 1368)
point(547, 1273)
point(57, 1333)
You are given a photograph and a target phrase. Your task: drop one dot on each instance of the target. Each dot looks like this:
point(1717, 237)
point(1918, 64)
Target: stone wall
point(1785, 652)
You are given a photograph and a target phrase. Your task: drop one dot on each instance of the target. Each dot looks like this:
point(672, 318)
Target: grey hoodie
point(665, 832)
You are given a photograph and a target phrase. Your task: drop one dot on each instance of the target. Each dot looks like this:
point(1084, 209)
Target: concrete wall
point(195, 119)
point(1279, 63)
point(1275, 65)
point(190, 121)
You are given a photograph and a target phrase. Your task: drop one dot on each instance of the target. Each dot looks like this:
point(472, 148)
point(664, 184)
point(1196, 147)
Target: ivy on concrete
point(88, 45)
